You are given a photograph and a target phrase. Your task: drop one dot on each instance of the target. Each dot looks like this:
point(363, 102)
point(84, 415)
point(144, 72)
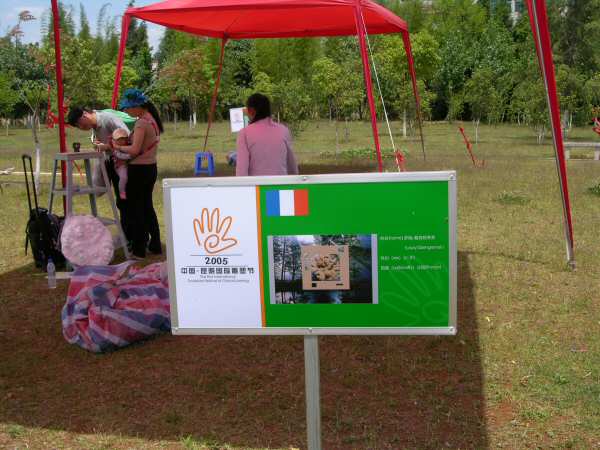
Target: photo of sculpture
point(322, 269)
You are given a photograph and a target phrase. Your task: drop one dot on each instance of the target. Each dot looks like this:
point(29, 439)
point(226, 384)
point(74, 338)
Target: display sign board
point(322, 254)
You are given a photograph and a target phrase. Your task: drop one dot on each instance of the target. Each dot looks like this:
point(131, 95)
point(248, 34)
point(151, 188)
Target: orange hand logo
point(211, 231)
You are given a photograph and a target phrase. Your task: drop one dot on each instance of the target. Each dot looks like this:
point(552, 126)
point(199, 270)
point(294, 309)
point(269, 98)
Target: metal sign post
point(313, 395)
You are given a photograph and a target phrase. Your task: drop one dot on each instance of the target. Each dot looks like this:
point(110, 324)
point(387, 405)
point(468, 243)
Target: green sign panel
point(338, 254)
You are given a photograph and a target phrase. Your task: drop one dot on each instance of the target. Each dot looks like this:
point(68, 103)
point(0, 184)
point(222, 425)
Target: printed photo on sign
point(323, 269)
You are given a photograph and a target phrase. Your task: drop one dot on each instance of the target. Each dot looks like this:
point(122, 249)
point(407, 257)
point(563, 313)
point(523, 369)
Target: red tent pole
point(213, 102)
point(541, 34)
point(360, 30)
point(413, 76)
point(60, 93)
point(123, 44)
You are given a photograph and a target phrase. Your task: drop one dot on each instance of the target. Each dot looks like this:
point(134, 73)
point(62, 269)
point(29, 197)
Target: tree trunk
point(175, 113)
point(404, 123)
point(477, 131)
point(283, 261)
point(346, 131)
point(293, 275)
point(541, 134)
point(38, 153)
point(337, 140)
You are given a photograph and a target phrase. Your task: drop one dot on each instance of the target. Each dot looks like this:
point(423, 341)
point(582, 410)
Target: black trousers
point(121, 204)
point(141, 217)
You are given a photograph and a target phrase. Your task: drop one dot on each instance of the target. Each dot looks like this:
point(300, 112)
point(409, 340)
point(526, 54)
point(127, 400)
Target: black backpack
point(43, 229)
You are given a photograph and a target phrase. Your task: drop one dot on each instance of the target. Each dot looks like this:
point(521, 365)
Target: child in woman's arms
point(120, 137)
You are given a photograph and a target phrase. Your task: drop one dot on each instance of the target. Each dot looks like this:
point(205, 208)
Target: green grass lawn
point(523, 371)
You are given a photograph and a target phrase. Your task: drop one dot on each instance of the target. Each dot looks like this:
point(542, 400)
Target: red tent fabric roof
point(251, 19)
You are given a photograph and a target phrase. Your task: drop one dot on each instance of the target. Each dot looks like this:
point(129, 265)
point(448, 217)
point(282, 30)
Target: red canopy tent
point(253, 19)
point(250, 19)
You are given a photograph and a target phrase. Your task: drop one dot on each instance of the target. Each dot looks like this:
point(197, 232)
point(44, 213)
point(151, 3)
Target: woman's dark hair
point(149, 106)
point(261, 104)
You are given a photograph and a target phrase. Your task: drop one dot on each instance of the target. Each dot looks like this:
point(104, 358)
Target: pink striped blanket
point(109, 307)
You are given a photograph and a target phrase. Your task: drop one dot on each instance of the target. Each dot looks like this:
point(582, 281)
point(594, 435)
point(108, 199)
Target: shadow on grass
point(377, 392)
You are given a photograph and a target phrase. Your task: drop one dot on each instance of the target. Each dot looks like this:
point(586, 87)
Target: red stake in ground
point(476, 162)
point(400, 161)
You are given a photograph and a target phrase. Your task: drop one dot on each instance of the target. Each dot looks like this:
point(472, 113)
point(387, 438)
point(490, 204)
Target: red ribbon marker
point(476, 162)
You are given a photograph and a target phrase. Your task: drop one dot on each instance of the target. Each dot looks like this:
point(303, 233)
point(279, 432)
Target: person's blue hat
point(132, 98)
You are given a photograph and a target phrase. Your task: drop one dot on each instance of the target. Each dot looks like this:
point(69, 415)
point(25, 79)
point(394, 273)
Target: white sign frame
point(172, 184)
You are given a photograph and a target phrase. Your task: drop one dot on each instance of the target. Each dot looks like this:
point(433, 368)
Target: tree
point(482, 96)
point(186, 76)
point(580, 34)
point(391, 60)
point(142, 57)
point(80, 72)
point(573, 100)
point(33, 94)
point(172, 43)
point(106, 78)
point(529, 100)
point(84, 26)
point(327, 80)
point(414, 13)
point(67, 25)
point(457, 26)
point(237, 73)
point(8, 97)
point(592, 95)
point(137, 45)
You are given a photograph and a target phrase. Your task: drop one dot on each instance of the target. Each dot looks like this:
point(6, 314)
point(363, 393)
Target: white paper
point(236, 117)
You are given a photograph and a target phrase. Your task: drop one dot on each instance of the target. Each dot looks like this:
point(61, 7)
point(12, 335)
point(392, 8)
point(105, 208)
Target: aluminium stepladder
point(90, 190)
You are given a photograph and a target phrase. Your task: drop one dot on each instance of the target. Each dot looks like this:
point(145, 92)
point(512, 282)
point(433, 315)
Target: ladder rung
point(72, 156)
point(80, 190)
point(107, 221)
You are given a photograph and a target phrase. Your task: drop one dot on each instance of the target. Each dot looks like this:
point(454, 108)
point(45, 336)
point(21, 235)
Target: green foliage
point(172, 43)
point(512, 198)
point(33, 94)
point(365, 154)
point(139, 52)
point(78, 61)
point(571, 87)
point(595, 190)
point(84, 26)
point(456, 106)
point(481, 94)
point(529, 102)
point(8, 96)
point(186, 78)
point(330, 85)
point(292, 104)
point(580, 34)
point(592, 95)
point(472, 62)
point(67, 24)
point(106, 73)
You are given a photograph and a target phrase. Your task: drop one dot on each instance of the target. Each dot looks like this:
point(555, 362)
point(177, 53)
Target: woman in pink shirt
point(264, 147)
